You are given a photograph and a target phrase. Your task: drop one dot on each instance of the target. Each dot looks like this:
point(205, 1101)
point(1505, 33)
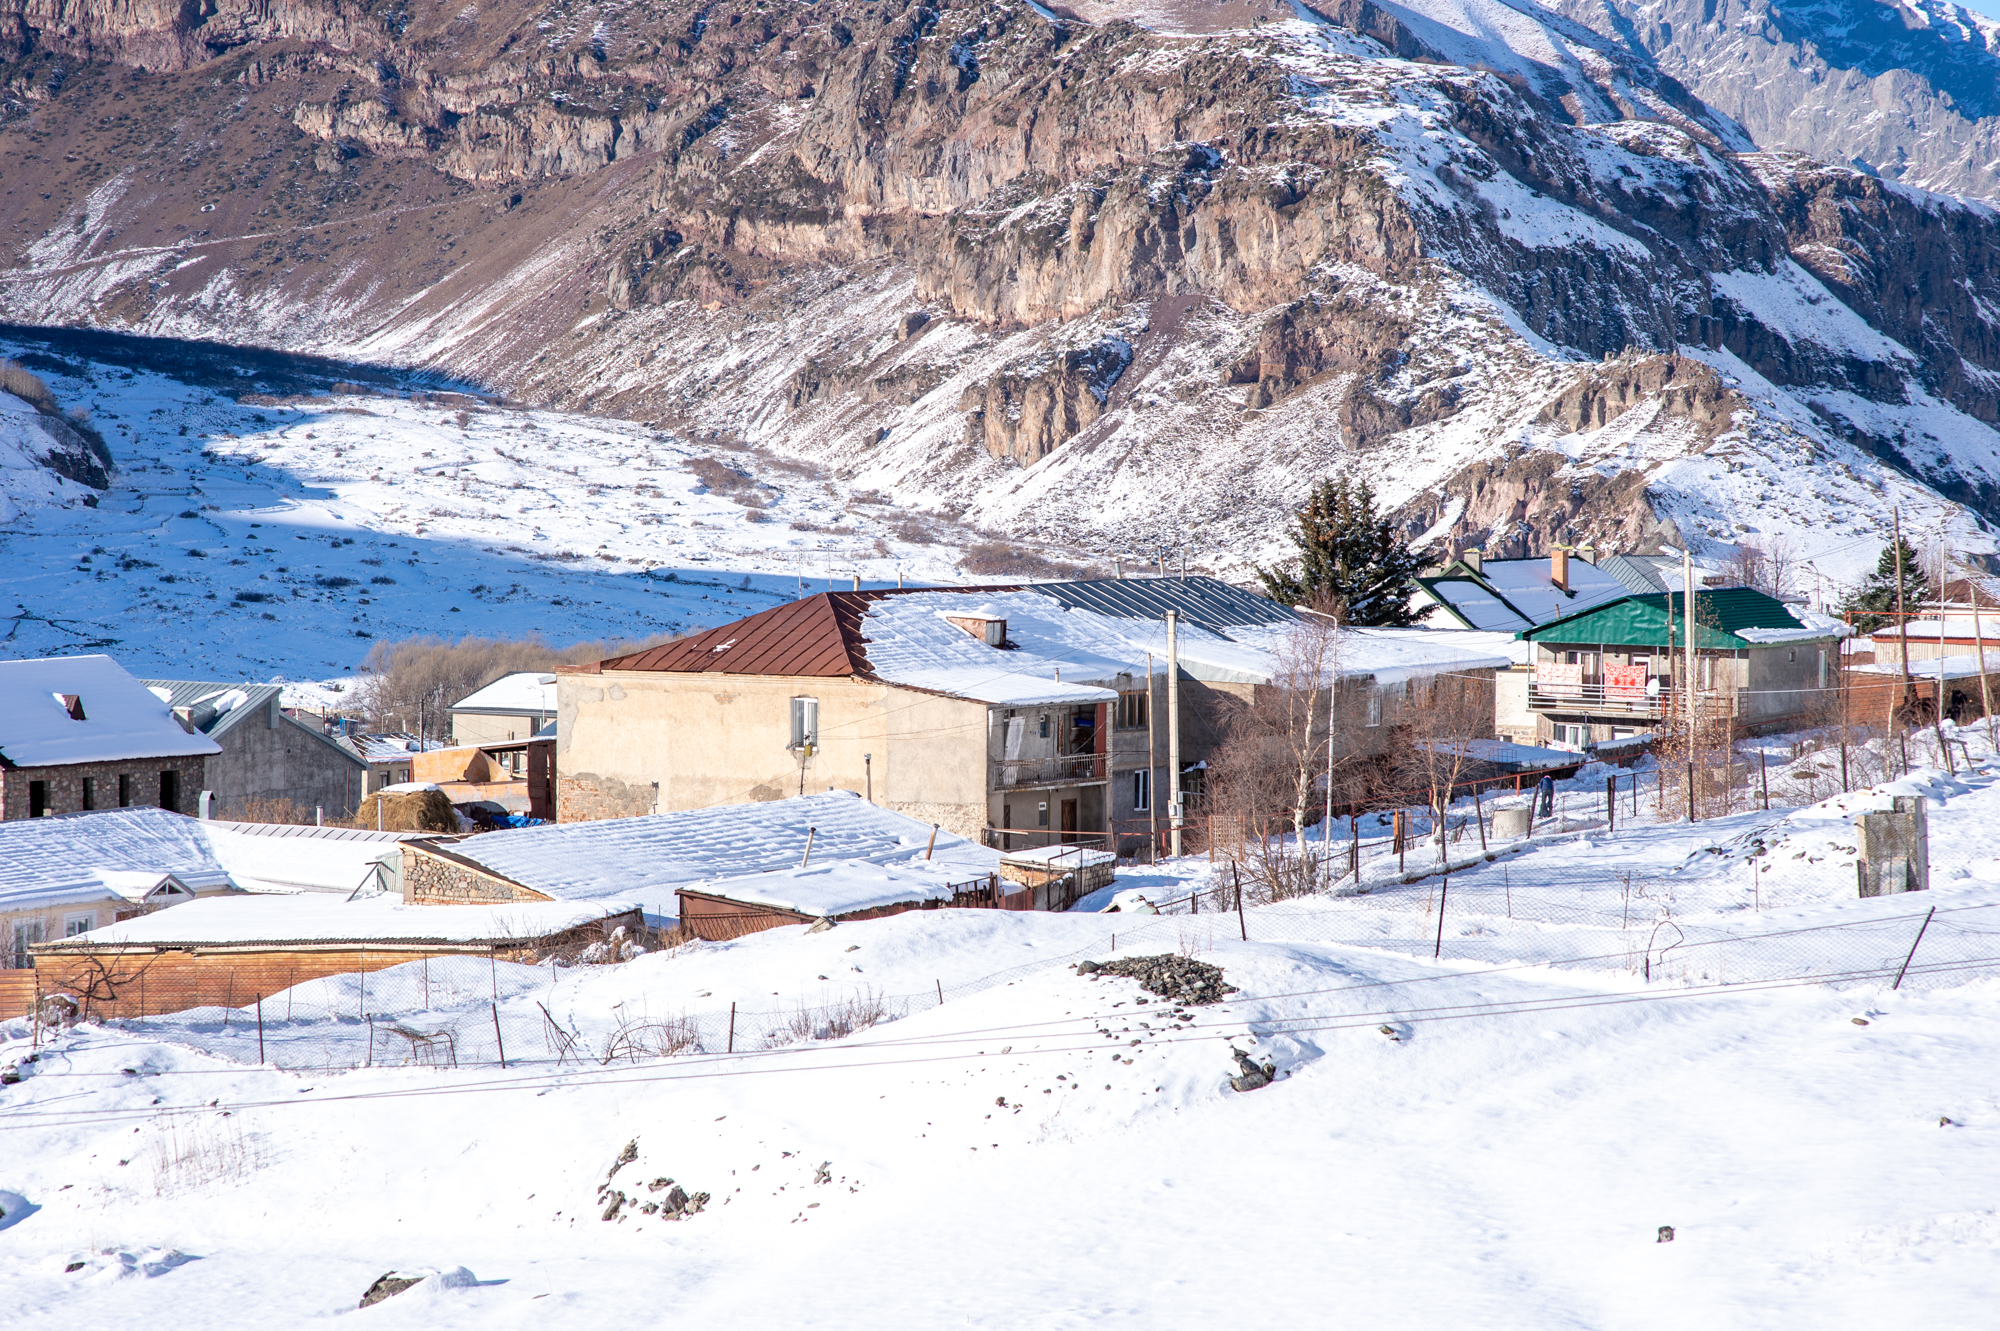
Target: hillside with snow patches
point(286, 538)
point(1115, 285)
point(1492, 1138)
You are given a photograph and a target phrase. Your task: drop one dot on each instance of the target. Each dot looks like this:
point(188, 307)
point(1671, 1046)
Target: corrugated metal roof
point(1640, 575)
point(1209, 602)
point(1641, 621)
point(819, 636)
point(201, 696)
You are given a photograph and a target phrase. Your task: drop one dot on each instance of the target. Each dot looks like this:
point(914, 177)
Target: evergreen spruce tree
point(1349, 562)
point(1878, 593)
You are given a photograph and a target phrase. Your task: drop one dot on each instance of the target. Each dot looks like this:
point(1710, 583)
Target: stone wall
point(65, 785)
point(587, 797)
point(432, 879)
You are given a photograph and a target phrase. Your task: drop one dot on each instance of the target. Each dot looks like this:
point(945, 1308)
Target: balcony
point(1624, 700)
point(1028, 773)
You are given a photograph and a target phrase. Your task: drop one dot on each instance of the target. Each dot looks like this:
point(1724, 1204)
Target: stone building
point(78, 733)
point(267, 756)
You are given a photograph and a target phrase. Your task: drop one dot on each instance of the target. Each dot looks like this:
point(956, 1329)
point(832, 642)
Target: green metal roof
point(1641, 621)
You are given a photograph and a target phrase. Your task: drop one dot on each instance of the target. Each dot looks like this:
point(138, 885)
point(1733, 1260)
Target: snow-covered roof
point(300, 859)
point(83, 856)
point(1812, 626)
point(839, 887)
point(389, 748)
point(1951, 626)
point(120, 717)
point(523, 693)
point(649, 857)
point(1060, 857)
point(1472, 604)
point(377, 918)
point(1391, 656)
point(1527, 585)
point(1949, 667)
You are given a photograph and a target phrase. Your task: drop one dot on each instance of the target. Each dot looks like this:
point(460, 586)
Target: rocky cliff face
point(1120, 285)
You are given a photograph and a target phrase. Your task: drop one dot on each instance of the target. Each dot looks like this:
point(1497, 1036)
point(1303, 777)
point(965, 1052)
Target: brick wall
point(430, 879)
point(65, 785)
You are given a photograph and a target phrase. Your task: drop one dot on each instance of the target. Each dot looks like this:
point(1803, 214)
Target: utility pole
point(1687, 610)
point(1152, 770)
point(1902, 625)
point(1979, 646)
point(1937, 702)
point(1174, 809)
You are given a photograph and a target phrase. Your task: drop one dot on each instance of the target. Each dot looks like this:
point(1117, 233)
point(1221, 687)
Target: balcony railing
point(1067, 770)
point(1624, 700)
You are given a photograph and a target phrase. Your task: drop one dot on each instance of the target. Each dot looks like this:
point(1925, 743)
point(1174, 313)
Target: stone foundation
point(587, 797)
point(431, 878)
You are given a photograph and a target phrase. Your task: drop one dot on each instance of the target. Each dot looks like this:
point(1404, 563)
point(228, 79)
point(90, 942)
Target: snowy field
point(1493, 1139)
point(286, 538)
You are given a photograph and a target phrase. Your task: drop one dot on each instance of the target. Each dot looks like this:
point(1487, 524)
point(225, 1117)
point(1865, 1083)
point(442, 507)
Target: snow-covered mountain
point(1124, 277)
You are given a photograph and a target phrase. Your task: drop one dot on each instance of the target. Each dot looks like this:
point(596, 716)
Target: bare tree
point(1266, 778)
point(1443, 719)
point(412, 684)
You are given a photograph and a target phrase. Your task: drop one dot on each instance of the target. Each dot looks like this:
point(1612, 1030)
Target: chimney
point(1559, 567)
point(1475, 560)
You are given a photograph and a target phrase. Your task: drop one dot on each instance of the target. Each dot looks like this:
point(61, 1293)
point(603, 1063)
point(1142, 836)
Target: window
point(1142, 791)
point(26, 934)
point(1374, 707)
point(1132, 710)
point(170, 790)
point(1044, 733)
point(38, 799)
point(1042, 814)
point(124, 791)
point(78, 924)
point(90, 792)
point(805, 722)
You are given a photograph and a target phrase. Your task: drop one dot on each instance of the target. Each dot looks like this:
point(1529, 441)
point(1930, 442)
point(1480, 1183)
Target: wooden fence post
point(260, 1030)
point(1444, 892)
point(1241, 927)
point(498, 1043)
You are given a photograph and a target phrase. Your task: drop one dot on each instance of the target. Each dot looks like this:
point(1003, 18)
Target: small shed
point(1059, 876)
point(229, 952)
point(839, 890)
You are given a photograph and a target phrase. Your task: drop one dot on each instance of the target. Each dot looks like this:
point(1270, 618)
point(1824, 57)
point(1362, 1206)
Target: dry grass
point(26, 386)
point(257, 809)
point(190, 1152)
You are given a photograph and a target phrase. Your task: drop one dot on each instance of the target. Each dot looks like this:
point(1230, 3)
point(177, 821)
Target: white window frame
point(79, 922)
point(24, 934)
point(805, 723)
point(1142, 791)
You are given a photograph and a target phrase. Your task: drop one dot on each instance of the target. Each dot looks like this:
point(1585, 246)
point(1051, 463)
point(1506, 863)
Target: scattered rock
point(1180, 978)
point(820, 925)
point(1666, 1234)
point(385, 1287)
point(611, 1211)
point(625, 1157)
point(824, 1174)
point(1255, 1075)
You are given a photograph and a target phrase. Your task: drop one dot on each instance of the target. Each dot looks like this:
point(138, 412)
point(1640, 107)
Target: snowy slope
point(288, 537)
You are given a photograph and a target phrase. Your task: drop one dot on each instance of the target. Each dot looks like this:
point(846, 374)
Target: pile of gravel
point(1182, 979)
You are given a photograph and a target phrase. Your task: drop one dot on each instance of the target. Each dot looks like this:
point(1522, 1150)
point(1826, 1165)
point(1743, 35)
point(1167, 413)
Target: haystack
point(408, 811)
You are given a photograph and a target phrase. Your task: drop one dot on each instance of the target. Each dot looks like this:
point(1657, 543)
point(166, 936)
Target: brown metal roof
point(819, 637)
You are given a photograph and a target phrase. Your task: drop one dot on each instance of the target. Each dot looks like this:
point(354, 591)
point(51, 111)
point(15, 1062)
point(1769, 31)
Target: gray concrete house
point(266, 755)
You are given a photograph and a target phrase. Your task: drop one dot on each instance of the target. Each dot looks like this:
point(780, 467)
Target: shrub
point(28, 387)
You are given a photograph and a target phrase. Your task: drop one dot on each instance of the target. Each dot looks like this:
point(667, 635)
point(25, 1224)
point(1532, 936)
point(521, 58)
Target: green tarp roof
point(1641, 621)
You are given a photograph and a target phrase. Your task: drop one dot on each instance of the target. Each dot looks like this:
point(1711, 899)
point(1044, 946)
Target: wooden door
point(1069, 820)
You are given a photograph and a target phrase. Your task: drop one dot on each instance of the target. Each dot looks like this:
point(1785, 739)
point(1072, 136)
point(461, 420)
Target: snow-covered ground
point(255, 540)
point(1468, 1141)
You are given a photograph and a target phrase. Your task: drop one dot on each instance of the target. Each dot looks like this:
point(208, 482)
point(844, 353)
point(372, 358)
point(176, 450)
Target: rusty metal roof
point(819, 636)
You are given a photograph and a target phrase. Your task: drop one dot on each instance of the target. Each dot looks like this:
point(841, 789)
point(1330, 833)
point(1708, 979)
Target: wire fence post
point(940, 991)
point(1764, 777)
point(260, 1030)
point(1241, 926)
point(1443, 892)
point(498, 1043)
point(1913, 948)
point(732, 1029)
point(1610, 804)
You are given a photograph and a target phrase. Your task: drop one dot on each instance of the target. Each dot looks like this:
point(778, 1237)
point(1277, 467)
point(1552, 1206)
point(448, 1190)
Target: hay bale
point(408, 811)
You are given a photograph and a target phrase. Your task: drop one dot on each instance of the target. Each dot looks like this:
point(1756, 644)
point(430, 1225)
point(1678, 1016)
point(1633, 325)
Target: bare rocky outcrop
point(1204, 268)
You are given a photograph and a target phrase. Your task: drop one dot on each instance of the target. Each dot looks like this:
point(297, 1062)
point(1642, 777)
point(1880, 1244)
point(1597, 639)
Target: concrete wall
point(633, 742)
point(272, 757)
point(1784, 681)
point(65, 785)
point(469, 728)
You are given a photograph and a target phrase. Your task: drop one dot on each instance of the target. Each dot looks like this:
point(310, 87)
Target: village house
point(267, 757)
point(1617, 671)
point(79, 733)
point(390, 758)
point(1016, 716)
point(514, 707)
